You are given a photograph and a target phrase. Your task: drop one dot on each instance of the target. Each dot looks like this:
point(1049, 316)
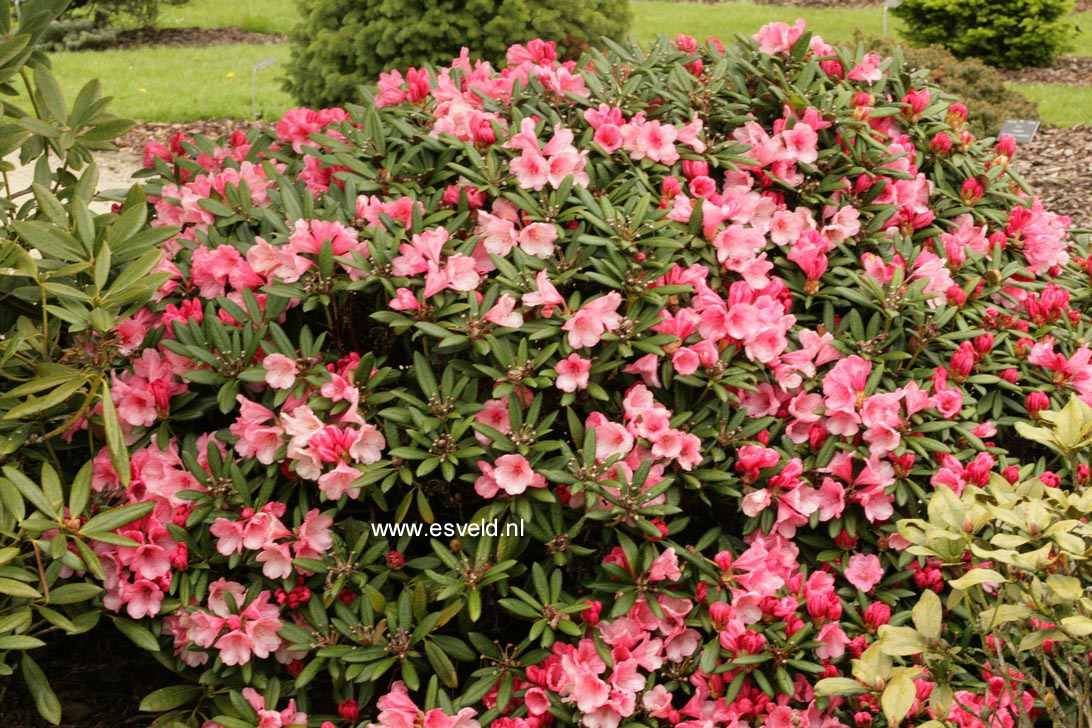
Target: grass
point(256, 16)
point(183, 84)
point(836, 25)
point(1082, 43)
point(1059, 104)
point(179, 84)
point(724, 20)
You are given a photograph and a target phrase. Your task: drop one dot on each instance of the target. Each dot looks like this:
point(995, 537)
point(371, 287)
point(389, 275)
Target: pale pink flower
point(599, 316)
point(280, 371)
point(339, 482)
point(573, 373)
point(537, 239)
point(665, 567)
point(143, 598)
point(867, 70)
point(864, 571)
point(545, 295)
point(235, 647)
point(532, 170)
point(801, 143)
point(834, 641)
point(276, 561)
point(503, 313)
point(512, 473)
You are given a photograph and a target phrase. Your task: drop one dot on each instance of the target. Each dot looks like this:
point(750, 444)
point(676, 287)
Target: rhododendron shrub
point(704, 323)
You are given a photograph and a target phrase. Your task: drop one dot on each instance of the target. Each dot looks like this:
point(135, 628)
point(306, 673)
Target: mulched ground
point(99, 677)
point(1070, 70)
point(197, 37)
point(152, 131)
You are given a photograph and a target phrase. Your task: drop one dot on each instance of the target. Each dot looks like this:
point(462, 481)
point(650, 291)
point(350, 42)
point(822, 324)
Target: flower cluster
point(230, 624)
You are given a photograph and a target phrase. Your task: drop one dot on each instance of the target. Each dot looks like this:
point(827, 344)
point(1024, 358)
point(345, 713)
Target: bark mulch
point(153, 131)
point(1069, 70)
point(1058, 164)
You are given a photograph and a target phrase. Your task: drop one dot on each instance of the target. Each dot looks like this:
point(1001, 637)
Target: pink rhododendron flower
point(864, 571)
point(572, 373)
point(511, 473)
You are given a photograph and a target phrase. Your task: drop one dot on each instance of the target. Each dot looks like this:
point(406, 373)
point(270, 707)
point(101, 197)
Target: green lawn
point(724, 20)
point(1060, 105)
point(257, 16)
point(180, 84)
point(1082, 43)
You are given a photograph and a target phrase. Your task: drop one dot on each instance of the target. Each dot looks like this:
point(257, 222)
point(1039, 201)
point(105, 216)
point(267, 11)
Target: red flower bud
point(941, 143)
point(661, 526)
point(1036, 402)
point(876, 615)
point(349, 710)
point(845, 541)
point(972, 191)
point(395, 560)
point(955, 296)
point(956, 116)
point(590, 616)
point(695, 168)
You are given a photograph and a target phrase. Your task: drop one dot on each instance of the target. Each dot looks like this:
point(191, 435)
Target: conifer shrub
point(1004, 33)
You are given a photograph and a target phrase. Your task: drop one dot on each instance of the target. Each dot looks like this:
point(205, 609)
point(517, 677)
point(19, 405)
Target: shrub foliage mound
point(700, 324)
point(341, 44)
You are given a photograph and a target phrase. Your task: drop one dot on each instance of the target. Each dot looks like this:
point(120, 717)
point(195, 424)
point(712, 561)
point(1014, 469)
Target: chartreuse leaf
point(843, 686)
point(901, 641)
point(898, 697)
point(975, 577)
point(928, 615)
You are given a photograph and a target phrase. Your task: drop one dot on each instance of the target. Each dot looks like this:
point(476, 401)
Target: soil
point(99, 677)
point(197, 37)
